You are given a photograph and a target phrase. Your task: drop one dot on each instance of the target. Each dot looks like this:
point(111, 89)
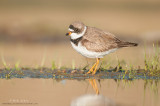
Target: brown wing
point(99, 41)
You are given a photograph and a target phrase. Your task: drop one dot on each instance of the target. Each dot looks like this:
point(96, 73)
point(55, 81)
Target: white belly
point(90, 54)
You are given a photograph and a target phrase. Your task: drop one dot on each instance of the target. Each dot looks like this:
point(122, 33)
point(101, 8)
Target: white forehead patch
point(71, 30)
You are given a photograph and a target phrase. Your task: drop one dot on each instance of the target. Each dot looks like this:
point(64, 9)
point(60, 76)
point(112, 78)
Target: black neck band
point(76, 41)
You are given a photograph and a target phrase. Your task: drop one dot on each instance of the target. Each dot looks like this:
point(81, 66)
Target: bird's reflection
point(96, 99)
point(94, 85)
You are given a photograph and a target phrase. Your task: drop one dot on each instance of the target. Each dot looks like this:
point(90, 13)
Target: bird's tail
point(127, 44)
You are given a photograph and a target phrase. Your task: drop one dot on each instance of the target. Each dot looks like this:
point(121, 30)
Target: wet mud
point(77, 74)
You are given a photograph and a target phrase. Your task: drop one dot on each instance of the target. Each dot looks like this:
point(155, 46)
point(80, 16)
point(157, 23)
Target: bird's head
point(76, 30)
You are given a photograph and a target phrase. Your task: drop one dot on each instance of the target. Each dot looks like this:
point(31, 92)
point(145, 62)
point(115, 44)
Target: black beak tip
point(67, 34)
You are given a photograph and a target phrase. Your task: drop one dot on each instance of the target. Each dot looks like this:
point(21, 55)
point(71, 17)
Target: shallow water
point(59, 92)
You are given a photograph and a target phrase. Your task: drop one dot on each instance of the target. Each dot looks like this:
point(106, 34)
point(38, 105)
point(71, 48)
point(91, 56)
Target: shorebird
point(92, 42)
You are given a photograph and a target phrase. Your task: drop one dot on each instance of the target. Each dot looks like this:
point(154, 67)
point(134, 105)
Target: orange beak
point(69, 33)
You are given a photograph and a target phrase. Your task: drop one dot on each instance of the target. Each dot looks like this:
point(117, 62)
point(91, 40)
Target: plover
point(92, 42)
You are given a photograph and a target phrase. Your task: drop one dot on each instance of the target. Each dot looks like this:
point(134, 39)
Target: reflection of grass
point(149, 84)
point(153, 86)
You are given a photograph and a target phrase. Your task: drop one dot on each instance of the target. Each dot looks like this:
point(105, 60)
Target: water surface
point(59, 92)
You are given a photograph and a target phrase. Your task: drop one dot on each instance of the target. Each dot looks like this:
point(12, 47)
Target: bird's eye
point(71, 27)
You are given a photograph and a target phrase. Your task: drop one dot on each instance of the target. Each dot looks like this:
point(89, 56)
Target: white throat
point(75, 35)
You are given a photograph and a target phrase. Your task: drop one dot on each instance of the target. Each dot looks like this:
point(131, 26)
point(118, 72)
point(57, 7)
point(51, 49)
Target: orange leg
point(92, 68)
point(95, 70)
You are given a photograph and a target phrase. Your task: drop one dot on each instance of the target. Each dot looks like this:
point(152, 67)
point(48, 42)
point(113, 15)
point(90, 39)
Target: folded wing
point(99, 41)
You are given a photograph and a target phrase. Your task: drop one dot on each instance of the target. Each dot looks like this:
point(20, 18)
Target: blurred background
point(32, 32)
